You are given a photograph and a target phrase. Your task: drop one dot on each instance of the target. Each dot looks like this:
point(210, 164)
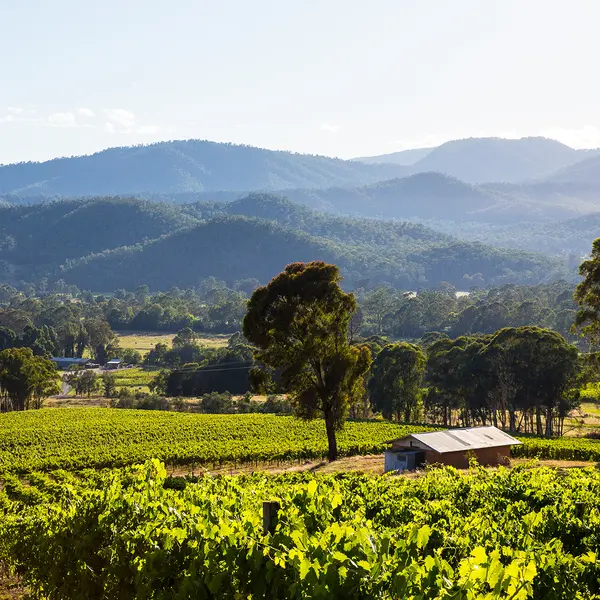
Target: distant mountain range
point(541, 205)
point(185, 166)
point(426, 196)
point(195, 166)
point(480, 160)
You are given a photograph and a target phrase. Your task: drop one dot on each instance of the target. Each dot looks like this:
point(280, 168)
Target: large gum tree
point(299, 326)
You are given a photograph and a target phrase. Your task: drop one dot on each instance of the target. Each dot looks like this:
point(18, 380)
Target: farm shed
point(66, 363)
point(489, 445)
point(114, 363)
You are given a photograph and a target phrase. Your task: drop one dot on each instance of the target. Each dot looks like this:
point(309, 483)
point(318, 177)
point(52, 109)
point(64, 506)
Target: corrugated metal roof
point(469, 438)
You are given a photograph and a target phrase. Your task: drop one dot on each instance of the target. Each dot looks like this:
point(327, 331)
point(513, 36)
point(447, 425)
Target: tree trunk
point(549, 422)
point(332, 452)
point(538, 418)
point(512, 421)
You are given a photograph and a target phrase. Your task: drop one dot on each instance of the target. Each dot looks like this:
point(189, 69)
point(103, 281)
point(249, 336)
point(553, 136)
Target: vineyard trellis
point(129, 534)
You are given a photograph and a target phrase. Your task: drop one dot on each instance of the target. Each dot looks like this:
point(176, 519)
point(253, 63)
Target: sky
point(341, 78)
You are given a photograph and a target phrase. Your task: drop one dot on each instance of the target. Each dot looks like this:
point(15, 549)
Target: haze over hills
point(437, 196)
point(188, 171)
point(585, 172)
point(403, 157)
point(185, 166)
point(479, 160)
point(196, 166)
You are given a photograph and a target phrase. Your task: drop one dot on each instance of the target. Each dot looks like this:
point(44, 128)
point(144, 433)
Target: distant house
point(66, 363)
point(489, 445)
point(114, 363)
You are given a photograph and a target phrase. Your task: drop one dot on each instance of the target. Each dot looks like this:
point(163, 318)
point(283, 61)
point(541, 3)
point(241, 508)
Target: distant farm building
point(454, 447)
point(114, 363)
point(66, 363)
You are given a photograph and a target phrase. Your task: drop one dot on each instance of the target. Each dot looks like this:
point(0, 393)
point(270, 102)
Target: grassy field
point(145, 341)
point(591, 392)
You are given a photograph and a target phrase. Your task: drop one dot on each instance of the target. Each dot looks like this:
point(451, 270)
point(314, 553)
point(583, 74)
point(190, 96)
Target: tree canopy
point(25, 379)
point(396, 380)
point(587, 295)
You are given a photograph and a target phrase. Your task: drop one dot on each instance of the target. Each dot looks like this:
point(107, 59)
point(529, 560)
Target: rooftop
point(456, 440)
point(73, 361)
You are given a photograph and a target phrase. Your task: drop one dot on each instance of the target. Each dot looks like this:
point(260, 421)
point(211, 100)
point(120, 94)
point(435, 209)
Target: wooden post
point(270, 516)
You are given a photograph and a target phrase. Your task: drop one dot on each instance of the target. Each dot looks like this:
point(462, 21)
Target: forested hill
point(349, 230)
point(106, 243)
point(193, 170)
point(185, 166)
point(423, 195)
point(427, 196)
point(232, 248)
point(40, 234)
point(437, 196)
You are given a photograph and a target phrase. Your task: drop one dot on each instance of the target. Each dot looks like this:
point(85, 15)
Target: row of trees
point(390, 312)
point(212, 306)
point(521, 379)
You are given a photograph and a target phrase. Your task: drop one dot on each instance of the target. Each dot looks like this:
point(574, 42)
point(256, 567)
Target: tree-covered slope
point(185, 166)
point(423, 195)
point(105, 243)
point(55, 231)
point(436, 196)
point(233, 248)
point(229, 248)
point(349, 230)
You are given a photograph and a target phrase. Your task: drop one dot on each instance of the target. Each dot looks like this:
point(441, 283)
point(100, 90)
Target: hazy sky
point(336, 77)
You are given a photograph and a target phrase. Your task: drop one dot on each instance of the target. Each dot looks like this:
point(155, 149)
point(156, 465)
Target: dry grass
point(143, 342)
point(584, 420)
point(76, 402)
point(10, 586)
point(371, 464)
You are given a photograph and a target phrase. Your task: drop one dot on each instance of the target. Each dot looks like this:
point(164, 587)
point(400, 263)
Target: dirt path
point(371, 464)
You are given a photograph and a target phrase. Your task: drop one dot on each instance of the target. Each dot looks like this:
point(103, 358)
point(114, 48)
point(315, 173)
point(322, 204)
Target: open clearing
point(143, 342)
